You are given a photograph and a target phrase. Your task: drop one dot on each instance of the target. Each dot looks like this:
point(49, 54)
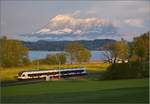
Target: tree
point(108, 53)
point(56, 59)
point(12, 53)
point(122, 51)
point(137, 67)
point(61, 58)
point(117, 50)
point(51, 59)
point(140, 48)
point(73, 48)
point(83, 55)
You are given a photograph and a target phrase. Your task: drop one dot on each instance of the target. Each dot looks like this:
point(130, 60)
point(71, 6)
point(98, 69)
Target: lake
point(96, 55)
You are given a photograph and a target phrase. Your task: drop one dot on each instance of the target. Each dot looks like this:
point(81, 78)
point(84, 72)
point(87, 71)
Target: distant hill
point(59, 45)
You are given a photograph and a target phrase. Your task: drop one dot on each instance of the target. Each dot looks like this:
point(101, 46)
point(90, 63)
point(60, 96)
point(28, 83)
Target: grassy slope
point(10, 73)
point(125, 91)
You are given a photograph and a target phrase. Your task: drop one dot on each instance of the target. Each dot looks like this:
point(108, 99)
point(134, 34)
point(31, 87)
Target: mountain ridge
point(96, 44)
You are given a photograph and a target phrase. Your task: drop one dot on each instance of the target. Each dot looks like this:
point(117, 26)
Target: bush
point(126, 71)
point(52, 59)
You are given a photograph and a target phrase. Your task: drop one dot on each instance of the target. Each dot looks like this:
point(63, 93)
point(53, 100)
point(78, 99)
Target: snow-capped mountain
point(64, 27)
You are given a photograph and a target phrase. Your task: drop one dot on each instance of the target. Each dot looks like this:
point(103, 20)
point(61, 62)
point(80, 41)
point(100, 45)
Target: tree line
point(75, 52)
point(13, 53)
point(137, 55)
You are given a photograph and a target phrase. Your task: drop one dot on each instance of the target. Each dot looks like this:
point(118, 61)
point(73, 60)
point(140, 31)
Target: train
point(51, 74)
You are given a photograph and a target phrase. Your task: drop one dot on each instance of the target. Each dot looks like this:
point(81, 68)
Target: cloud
point(144, 9)
point(69, 24)
point(76, 13)
point(91, 12)
point(134, 22)
point(67, 30)
point(43, 30)
point(65, 27)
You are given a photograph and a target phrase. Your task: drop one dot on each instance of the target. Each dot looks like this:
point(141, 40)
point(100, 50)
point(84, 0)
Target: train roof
point(51, 70)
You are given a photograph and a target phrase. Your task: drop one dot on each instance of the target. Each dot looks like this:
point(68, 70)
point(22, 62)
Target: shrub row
point(126, 71)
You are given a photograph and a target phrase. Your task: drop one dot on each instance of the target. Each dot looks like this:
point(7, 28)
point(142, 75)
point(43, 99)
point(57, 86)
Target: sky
point(132, 18)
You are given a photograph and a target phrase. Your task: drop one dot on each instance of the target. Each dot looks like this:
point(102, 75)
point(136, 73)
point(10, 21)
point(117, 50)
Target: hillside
point(59, 45)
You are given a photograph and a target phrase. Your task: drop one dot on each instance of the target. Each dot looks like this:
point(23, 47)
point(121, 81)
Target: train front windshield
point(20, 73)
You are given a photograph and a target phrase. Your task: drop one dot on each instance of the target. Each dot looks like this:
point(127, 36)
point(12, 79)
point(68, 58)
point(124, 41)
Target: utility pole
point(38, 65)
point(59, 70)
point(58, 65)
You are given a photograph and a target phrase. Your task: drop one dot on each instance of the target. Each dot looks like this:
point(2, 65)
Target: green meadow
point(78, 91)
point(87, 89)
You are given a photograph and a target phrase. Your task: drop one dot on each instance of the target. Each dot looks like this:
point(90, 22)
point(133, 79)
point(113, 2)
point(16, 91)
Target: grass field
point(85, 91)
point(10, 73)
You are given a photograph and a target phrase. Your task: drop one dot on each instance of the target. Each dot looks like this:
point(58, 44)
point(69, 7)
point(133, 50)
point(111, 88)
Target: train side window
point(23, 75)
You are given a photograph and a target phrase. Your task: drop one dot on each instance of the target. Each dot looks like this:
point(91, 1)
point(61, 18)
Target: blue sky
point(21, 17)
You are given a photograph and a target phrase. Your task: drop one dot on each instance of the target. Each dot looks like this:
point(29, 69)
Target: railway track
point(31, 81)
